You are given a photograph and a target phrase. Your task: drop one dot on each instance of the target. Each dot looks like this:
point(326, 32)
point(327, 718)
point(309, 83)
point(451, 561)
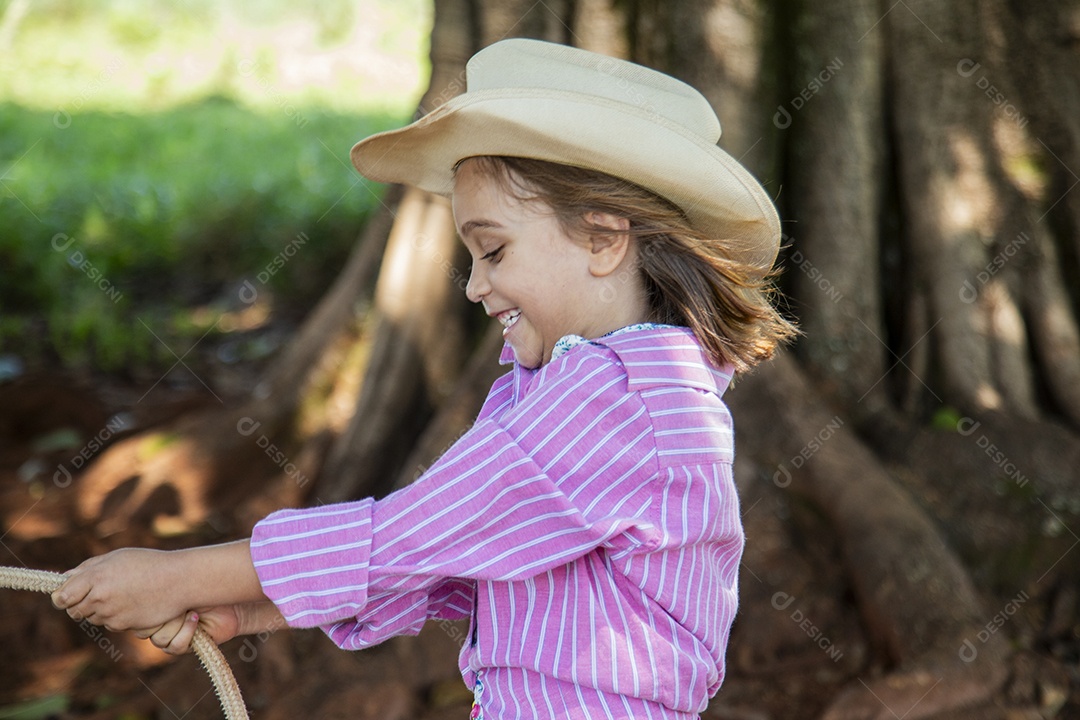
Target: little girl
point(587, 524)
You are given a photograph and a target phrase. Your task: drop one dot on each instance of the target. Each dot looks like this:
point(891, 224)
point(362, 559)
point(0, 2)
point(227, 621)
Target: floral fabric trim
point(569, 342)
point(477, 712)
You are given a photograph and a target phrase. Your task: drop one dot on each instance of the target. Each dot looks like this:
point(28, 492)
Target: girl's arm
point(137, 588)
point(495, 506)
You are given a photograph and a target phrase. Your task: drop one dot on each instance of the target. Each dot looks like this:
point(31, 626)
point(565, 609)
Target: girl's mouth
point(508, 318)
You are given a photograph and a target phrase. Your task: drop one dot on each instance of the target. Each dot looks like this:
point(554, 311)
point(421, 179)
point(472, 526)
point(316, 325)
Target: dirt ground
point(798, 640)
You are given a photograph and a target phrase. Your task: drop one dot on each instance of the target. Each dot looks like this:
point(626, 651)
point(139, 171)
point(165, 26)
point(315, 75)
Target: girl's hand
point(123, 589)
point(222, 623)
point(174, 637)
point(137, 588)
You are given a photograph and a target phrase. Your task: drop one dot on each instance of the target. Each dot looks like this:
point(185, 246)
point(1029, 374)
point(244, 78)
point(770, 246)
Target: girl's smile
point(508, 318)
point(537, 280)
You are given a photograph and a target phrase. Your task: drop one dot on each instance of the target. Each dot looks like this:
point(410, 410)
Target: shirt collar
point(667, 355)
point(653, 355)
point(567, 342)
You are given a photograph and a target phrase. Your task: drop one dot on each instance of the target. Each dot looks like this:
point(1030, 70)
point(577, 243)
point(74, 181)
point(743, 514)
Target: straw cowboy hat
point(528, 98)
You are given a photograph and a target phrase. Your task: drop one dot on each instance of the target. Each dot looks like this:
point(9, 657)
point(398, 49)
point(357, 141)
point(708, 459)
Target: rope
point(228, 692)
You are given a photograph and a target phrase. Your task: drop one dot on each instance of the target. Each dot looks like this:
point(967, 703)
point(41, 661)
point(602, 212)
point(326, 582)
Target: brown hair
point(691, 280)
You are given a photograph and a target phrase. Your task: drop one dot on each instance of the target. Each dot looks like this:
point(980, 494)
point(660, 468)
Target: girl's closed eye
point(495, 255)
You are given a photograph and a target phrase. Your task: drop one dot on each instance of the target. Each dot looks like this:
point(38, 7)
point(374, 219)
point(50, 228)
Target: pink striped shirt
point(587, 524)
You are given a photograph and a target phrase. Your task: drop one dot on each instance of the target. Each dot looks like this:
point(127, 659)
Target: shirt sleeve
point(507, 502)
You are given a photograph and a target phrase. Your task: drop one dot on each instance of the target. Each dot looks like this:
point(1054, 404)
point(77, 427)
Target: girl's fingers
point(78, 613)
point(72, 592)
point(181, 643)
point(145, 633)
point(165, 634)
point(175, 637)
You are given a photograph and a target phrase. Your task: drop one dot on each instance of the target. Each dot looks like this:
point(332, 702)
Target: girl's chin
point(525, 357)
point(527, 354)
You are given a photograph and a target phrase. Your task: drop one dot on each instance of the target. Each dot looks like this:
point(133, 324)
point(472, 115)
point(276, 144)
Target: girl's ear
point(609, 245)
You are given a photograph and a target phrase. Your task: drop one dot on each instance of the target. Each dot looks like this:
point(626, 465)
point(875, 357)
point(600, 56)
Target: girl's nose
point(478, 285)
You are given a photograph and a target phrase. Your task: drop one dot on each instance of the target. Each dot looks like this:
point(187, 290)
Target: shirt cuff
point(313, 563)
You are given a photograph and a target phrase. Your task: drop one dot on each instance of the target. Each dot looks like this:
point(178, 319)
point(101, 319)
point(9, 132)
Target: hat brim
point(720, 198)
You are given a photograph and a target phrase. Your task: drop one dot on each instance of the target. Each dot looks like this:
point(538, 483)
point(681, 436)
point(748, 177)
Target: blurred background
point(206, 314)
point(178, 147)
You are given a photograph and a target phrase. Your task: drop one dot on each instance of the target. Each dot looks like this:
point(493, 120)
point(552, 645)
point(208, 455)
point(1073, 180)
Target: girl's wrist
point(257, 618)
point(215, 575)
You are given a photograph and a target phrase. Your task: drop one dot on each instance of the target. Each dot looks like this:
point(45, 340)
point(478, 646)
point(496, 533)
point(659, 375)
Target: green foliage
point(39, 709)
point(106, 214)
point(155, 155)
point(946, 418)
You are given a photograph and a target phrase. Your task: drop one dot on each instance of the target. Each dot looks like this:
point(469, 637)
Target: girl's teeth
point(509, 320)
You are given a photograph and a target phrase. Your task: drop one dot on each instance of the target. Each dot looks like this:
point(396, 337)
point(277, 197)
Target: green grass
point(154, 156)
point(166, 210)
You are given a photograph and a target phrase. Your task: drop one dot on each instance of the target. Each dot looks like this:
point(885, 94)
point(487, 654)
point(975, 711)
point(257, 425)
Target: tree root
point(917, 603)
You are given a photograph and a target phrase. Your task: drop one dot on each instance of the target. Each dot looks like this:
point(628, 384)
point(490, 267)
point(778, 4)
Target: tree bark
point(417, 350)
point(832, 125)
point(459, 412)
point(952, 201)
point(1039, 41)
point(337, 308)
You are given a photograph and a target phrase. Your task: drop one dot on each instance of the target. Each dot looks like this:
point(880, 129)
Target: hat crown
point(520, 63)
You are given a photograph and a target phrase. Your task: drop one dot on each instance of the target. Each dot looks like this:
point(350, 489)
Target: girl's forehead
point(473, 176)
point(478, 203)
point(488, 171)
point(478, 191)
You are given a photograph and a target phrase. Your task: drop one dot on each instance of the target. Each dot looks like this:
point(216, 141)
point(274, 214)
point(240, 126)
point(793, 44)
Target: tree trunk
point(460, 410)
point(835, 161)
point(1040, 40)
point(417, 350)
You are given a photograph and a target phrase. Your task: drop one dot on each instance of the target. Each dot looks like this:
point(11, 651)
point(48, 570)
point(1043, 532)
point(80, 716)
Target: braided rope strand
point(221, 675)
